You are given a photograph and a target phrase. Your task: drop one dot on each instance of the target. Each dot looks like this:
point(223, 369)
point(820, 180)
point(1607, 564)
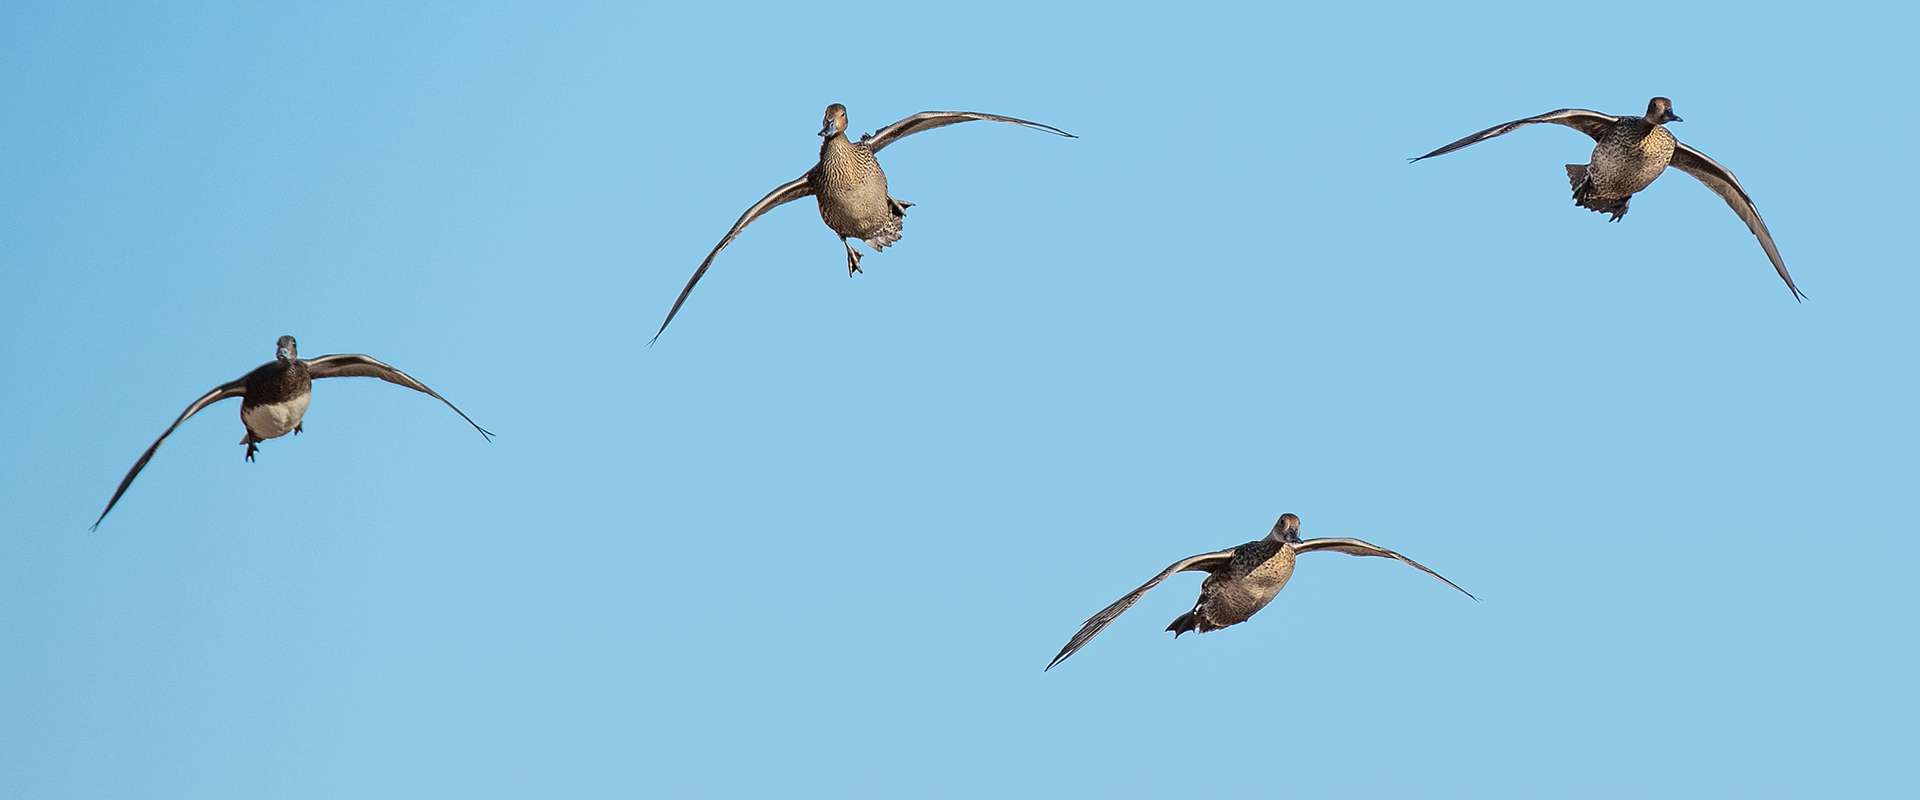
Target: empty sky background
point(821, 539)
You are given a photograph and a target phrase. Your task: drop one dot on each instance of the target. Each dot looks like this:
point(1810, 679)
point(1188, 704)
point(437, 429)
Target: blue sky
point(822, 538)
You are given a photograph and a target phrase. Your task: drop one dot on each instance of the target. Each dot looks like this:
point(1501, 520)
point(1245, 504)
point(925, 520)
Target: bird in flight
point(1628, 154)
point(274, 397)
point(849, 187)
point(1240, 581)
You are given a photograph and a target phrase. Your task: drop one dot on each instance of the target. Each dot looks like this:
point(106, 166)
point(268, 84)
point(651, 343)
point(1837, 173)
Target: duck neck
point(835, 146)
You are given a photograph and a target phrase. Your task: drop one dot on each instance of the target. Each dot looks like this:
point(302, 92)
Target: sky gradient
point(821, 539)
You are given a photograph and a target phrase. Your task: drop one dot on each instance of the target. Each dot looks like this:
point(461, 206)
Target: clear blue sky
point(821, 539)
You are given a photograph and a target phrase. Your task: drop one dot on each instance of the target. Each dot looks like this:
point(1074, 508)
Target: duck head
point(1660, 110)
point(286, 349)
point(835, 121)
point(1286, 530)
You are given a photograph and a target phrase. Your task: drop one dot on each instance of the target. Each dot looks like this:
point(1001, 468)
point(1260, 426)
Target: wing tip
point(671, 314)
point(95, 527)
point(1041, 126)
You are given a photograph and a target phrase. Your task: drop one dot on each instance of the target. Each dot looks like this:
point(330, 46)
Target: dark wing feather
point(1591, 123)
point(1099, 622)
point(784, 193)
point(928, 120)
point(355, 365)
point(1721, 181)
point(1357, 547)
point(233, 388)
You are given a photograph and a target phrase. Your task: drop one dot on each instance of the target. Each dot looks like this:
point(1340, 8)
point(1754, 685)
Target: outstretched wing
point(355, 365)
point(1721, 181)
point(1099, 622)
point(1357, 547)
point(928, 120)
point(233, 388)
point(1591, 123)
point(784, 193)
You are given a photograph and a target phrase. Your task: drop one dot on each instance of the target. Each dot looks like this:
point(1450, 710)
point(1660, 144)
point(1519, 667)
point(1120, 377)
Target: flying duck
point(274, 397)
point(1240, 581)
point(849, 187)
point(1628, 154)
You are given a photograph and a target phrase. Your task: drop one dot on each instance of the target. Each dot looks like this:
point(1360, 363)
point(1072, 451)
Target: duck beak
point(828, 129)
point(1670, 117)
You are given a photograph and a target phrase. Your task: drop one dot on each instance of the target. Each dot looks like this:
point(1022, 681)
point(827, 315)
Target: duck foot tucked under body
point(1629, 153)
point(888, 232)
point(1240, 581)
point(1583, 194)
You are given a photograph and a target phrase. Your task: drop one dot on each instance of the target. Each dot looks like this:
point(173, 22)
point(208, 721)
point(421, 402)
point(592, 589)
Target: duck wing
point(233, 388)
point(784, 193)
point(1591, 123)
point(1360, 547)
point(356, 365)
point(1721, 181)
point(928, 120)
point(1098, 622)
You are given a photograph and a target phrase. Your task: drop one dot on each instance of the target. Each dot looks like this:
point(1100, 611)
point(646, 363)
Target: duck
point(1240, 581)
point(1629, 152)
point(274, 398)
point(849, 187)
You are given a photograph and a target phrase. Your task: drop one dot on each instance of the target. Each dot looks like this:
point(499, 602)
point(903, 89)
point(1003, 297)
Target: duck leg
point(253, 446)
point(853, 257)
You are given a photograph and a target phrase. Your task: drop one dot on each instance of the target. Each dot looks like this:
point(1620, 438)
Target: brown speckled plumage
point(1240, 581)
point(849, 186)
point(1629, 153)
point(851, 190)
point(1250, 580)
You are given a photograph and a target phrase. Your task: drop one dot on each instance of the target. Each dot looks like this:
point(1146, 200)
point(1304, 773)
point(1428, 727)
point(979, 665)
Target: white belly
point(271, 420)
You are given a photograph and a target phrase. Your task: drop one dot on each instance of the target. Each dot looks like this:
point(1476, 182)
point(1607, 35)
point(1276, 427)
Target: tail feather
point(1583, 197)
point(890, 232)
point(1182, 624)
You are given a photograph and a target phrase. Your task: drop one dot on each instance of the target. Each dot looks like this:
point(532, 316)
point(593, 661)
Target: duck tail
point(1576, 175)
point(1182, 624)
point(890, 232)
point(1583, 194)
